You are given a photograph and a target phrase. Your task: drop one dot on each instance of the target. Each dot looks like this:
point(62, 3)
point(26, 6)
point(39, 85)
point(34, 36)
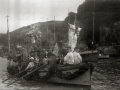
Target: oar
point(28, 74)
point(16, 74)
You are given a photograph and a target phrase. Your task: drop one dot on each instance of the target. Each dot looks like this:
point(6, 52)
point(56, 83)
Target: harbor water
point(106, 76)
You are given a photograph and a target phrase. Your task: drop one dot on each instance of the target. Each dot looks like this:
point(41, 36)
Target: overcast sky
point(25, 12)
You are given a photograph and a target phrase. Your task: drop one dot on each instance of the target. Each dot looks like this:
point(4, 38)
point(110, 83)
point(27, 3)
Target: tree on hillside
point(106, 13)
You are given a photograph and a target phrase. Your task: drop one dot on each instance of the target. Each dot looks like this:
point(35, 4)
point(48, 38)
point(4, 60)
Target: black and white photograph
point(59, 44)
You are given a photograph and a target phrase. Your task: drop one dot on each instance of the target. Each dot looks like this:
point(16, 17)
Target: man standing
point(77, 57)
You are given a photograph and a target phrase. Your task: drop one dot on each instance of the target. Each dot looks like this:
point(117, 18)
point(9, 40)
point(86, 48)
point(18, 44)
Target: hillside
point(17, 36)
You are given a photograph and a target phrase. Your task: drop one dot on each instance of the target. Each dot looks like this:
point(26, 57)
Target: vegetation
point(106, 15)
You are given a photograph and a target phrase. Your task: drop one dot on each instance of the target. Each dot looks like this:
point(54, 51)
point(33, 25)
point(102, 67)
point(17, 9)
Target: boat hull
point(82, 79)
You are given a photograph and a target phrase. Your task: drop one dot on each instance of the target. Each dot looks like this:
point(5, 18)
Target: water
point(101, 80)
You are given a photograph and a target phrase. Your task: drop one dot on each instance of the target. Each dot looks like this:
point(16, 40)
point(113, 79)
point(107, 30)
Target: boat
point(89, 56)
point(111, 51)
point(79, 74)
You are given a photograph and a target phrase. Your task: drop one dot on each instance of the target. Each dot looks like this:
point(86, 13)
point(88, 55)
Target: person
point(36, 60)
point(77, 57)
point(52, 60)
point(9, 60)
point(45, 60)
point(56, 49)
point(31, 63)
point(14, 62)
point(69, 58)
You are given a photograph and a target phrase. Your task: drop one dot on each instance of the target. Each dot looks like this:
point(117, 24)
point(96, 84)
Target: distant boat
point(103, 56)
point(112, 52)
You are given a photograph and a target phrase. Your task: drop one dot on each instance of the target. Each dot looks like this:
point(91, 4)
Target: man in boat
point(31, 63)
point(12, 65)
point(30, 68)
point(52, 60)
point(64, 51)
point(9, 59)
point(77, 57)
point(69, 58)
point(48, 56)
point(36, 60)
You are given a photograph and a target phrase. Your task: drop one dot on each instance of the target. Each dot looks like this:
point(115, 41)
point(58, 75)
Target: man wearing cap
point(31, 63)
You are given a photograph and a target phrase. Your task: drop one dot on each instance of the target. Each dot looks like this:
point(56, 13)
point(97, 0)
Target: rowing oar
point(28, 74)
point(16, 75)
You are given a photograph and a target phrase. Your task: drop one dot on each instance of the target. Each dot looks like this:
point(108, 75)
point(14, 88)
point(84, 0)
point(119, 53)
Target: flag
point(73, 35)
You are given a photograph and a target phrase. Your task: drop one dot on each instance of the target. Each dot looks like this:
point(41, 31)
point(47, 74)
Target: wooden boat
point(112, 52)
point(103, 56)
point(67, 74)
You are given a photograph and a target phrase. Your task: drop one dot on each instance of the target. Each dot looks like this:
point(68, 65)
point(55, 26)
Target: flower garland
point(67, 75)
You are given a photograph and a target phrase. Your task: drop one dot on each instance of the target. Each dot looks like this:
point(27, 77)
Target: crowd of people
point(51, 57)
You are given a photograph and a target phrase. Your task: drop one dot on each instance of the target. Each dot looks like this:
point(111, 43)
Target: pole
point(68, 25)
point(68, 17)
point(76, 28)
point(54, 28)
point(8, 35)
point(47, 32)
point(93, 21)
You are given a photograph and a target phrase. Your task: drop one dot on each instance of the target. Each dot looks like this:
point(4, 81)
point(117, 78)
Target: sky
point(25, 12)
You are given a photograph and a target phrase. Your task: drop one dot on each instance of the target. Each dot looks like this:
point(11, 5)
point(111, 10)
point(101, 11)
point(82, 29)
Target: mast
point(54, 28)
point(68, 17)
point(47, 32)
point(93, 21)
point(68, 23)
point(8, 35)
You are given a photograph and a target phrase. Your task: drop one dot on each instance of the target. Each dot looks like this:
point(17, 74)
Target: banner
point(73, 35)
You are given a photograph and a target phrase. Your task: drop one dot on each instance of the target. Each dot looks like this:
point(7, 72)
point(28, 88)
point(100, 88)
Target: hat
point(32, 58)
